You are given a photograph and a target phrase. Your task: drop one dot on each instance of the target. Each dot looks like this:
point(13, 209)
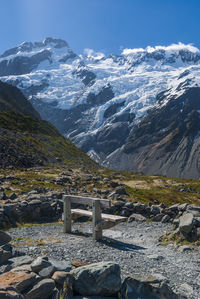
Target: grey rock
point(61, 265)
point(139, 208)
point(165, 219)
point(176, 223)
point(9, 292)
point(47, 272)
point(22, 268)
point(4, 256)
point(60, 277)
point(184, 248)
point(101, 279)
point(129, 205)
point(136, 217)
point(151, 287)
point(20, 261)
point(39, 263)
point(156, 257)
point(183, 207)
point(2, 196)
point(119, 203)
point(35, 202)
point(12, 196)
point(198, 233)
point(155, 210)
point(4, 238)
point(174, 207)
point(186, 223)
point(43, 289)
point(157, 217)
point(194, 209)
point(121, 190)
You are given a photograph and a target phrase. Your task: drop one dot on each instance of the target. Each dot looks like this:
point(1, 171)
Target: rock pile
point(137, 211)
point(23, 277)
point(36, 207)
point(188, 225)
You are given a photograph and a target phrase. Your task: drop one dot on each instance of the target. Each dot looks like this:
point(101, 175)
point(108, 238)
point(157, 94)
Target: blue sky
point(103, 25)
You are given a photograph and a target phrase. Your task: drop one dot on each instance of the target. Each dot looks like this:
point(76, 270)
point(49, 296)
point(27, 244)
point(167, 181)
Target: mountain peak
point(29, 46)
point(56, 42)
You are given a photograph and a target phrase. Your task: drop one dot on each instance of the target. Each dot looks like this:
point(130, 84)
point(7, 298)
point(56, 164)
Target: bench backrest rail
point(104, 203)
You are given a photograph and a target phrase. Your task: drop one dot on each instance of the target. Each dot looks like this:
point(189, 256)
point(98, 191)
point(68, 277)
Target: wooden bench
point(100, 220)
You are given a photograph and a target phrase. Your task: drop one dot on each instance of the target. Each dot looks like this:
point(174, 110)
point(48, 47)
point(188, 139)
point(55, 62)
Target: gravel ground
point(134, 246)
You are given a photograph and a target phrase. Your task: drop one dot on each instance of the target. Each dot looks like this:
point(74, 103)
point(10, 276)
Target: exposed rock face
point(23, 65)
point(166, 142)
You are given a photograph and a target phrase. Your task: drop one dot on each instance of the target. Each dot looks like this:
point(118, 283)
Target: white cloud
point(92, 54)
point(132, 51)
point(170, 48)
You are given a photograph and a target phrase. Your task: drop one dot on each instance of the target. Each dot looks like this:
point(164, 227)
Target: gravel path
point(134, 246)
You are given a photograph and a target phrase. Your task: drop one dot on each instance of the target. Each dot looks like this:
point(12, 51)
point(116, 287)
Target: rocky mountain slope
point(26, 140)
point(166, 141)
point(101, 102)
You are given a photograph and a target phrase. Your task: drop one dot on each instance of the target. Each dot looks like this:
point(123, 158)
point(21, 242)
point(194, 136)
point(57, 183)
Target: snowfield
point(136, 77)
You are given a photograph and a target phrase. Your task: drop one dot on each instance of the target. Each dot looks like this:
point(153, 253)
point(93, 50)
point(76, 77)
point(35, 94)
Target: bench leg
point(67, 216)
point(96, 218)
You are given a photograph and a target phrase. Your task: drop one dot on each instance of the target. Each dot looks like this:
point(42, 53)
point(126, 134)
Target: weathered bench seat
point(108, 219)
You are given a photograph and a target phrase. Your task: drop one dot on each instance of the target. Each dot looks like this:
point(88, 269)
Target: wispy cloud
point(170, 48)
point(92, 54)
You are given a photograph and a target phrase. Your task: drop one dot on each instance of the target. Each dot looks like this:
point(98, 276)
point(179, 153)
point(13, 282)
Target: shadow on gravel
point(120, 245)
point(110, 242)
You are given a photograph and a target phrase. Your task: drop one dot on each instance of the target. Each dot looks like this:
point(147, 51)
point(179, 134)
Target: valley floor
point(134, 246)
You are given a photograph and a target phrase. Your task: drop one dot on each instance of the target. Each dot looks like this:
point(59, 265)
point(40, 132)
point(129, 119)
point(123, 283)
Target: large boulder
point(100, 279)
point(150, 287)
point(19, 280)
point(186, 223)
point(43, 289)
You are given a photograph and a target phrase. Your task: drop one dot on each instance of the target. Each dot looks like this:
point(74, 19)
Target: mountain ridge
point(95, 100)
point(27, 141)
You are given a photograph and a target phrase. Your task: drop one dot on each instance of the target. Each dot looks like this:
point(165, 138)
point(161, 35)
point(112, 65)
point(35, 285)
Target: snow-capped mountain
point(98, 101)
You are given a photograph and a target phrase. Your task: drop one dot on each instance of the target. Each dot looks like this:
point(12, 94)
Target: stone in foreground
point(19, 280)
point(146, 288)
point(100, 279)
point(39, 263)
point(4, 238)
point(42, 290)
point(186, 223)
point(8, 292)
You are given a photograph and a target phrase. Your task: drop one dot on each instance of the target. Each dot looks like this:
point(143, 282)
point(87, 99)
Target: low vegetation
point(139, 188)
